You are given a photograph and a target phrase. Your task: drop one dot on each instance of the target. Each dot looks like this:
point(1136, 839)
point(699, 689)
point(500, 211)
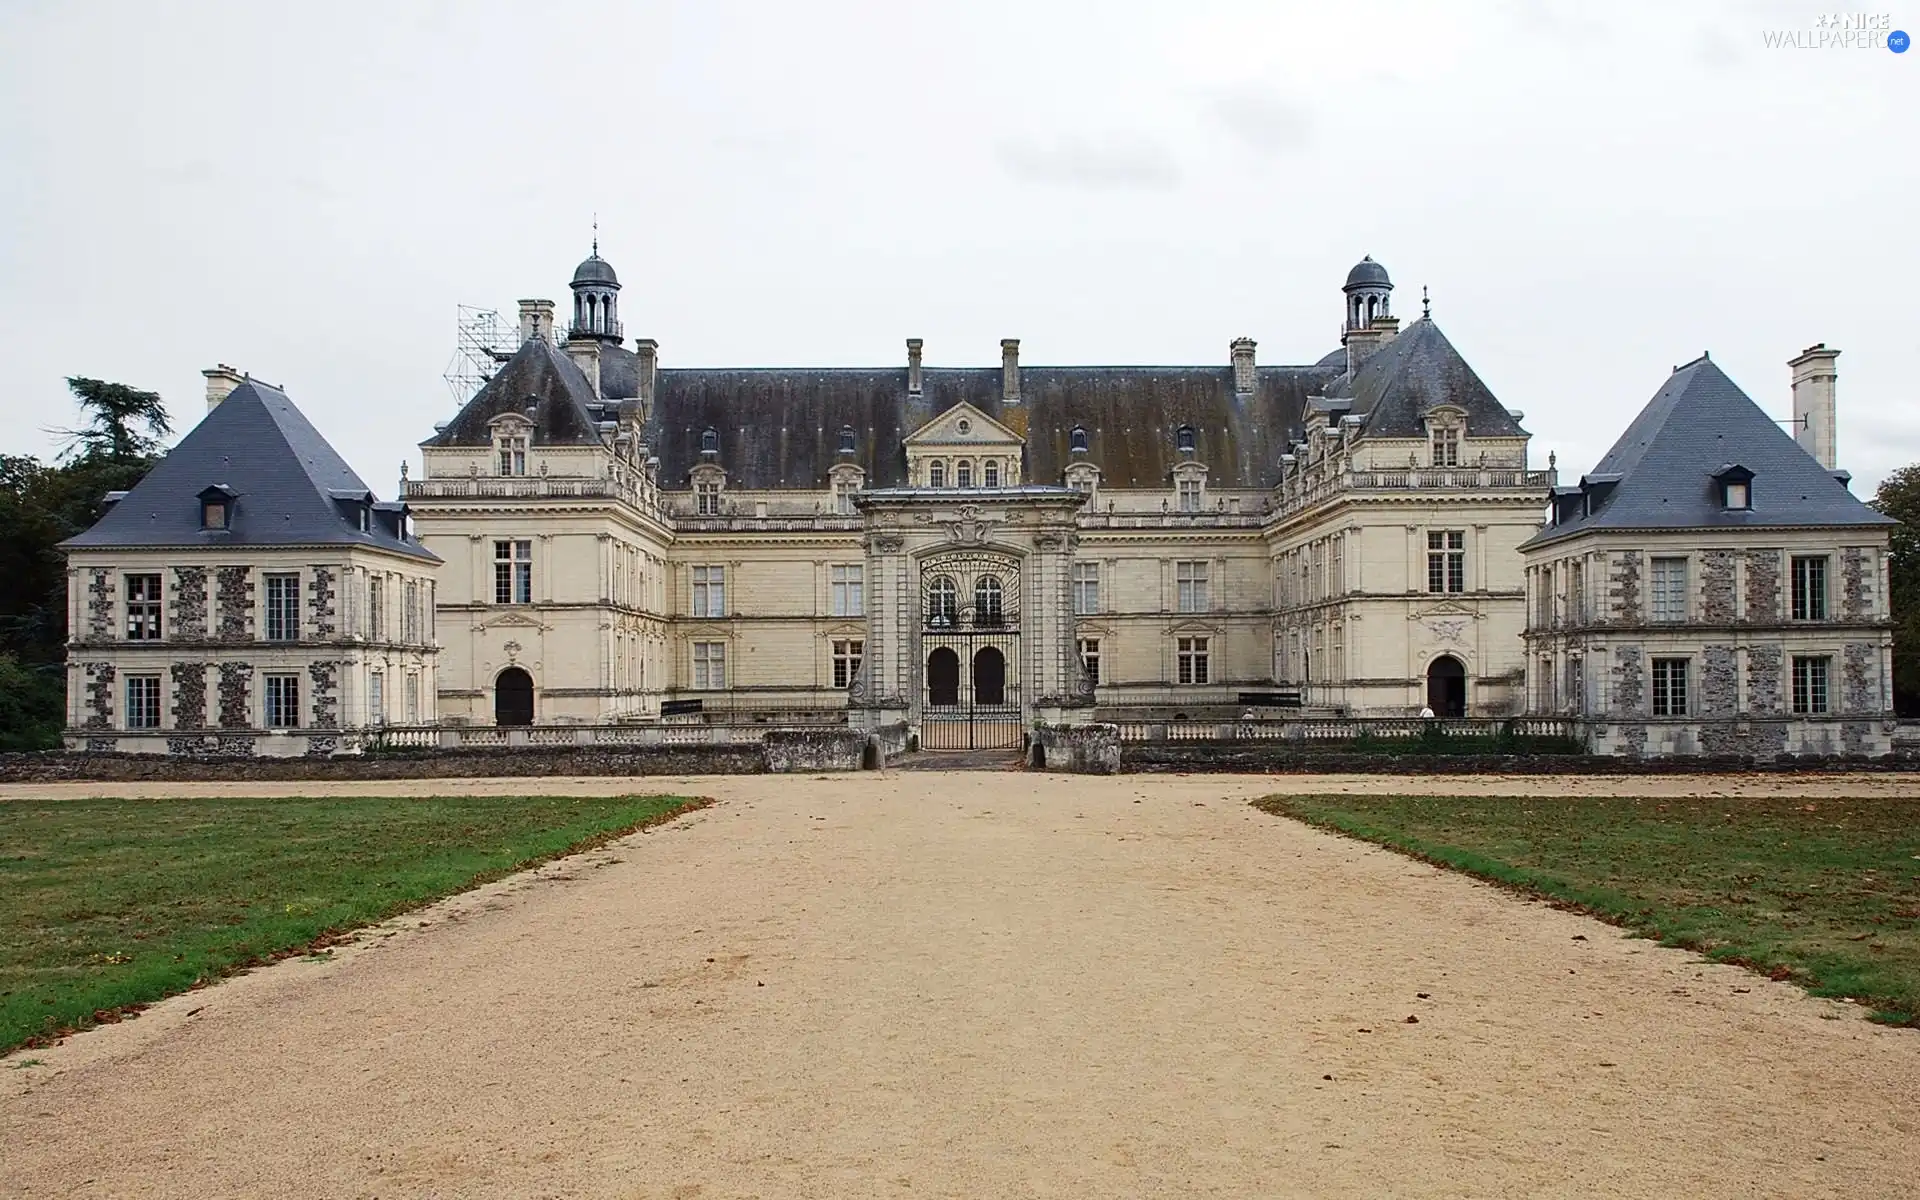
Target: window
point(709, 665)
point(988, 598)
point(710, 592)
point(1446, 560)
point(1738, 496)
point(1082, 483)
point(846, 439)
point(1810, 685)
point(413, 698)
point(937, 474)
point(846, 660)
point(410, 611)
point(1543, 600)
point(1192, 655)
point(848, 585)
point(943, 602)
point(990, 474)
point(143, 702)
point(513, 456)
point(283, 701)
point(513, 572)
point(283, 608)
point(1086, 588)
point(375, 607)
point(1576, 685)
point(1577, 592)
point(1446, 446)
point(1190, 578)
point(1669, 687)
point(1077, 440)
point(143, 608)
point(213, 514)
point(963, 474)
point(1336, 570)
point(1668, 600)
point(377, 698)
point(1183, 438)
point(843, 493)
point(706, 498)
point(710, 441)
point(1090, 658)
point(1809, 588)
point(1188, 491)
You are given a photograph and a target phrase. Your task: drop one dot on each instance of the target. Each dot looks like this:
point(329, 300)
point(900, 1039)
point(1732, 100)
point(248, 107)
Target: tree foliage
point(1899, 498)
point(41, 505)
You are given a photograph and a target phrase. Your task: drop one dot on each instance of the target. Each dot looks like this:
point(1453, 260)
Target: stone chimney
point(648, 352)
point(536, 320)
point(913, 366)
point(1243, 376)
point(1010, 370)
point(1813, 415)
point(1361, 343)
point(585, 353)
point(221, 381)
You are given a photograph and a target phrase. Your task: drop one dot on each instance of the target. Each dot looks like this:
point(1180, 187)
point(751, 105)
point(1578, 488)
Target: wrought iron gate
point(970, 653)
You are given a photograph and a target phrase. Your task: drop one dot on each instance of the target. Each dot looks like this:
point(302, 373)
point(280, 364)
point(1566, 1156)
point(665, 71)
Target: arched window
point(710, 442)
point(990, 474)
point(1184, 439)
point(846, 439)
point(989, 606)
point(937, 474)
point(963, 474)
point(943, 603)
point(1077, 440)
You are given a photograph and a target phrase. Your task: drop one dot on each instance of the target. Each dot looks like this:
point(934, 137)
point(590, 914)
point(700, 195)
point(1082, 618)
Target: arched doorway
point(1447, 687)
point(943, 678)
point(513, 698)
point(989, 676)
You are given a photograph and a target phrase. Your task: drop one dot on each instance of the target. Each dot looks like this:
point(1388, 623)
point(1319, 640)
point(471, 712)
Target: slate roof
point(1418, 369)
point(566, 411)
point(1661, 473)
point(292, 488)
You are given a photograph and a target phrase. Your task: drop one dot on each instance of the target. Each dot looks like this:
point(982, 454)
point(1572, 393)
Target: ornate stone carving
point(1447, 631)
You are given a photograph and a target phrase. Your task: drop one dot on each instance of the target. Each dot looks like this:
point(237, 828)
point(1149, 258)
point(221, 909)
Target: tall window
point(513, 456)
point(846, 660)
point(413, 698)
point(1336, 569)
point(143, 608)
point(988, 601)
point(1543, 603)
point(143, 702)
point(1576, 685)
point(1447, 560)
point(1190, 579)
point(283, 701)
point(1810, 685)
point(1446, 447)
point(1668, 600)
point(513, 572)
point(1188, 491)
point(1192, 656)
point(1086, 588)
point(963, 474)
point(709, 665)
point(843, 493)
point(376, 607)
point(710, 592)
point(410, 611)
point(937, 474)
point(706, 498)
point(1809, 588)
point(377, 698)
point(848, 587)
point(1577, 593)
point(1669, 687)
point(990, 474)
point(943, 602)
point(1090, 657)
point(283, 608)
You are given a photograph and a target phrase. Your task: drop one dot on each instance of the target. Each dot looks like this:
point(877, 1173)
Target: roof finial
point(596, 235)
point(1426, 305)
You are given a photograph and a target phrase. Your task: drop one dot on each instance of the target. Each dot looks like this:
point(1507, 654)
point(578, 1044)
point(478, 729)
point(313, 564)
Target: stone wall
point(233, 601)
point(794, 751)
point(1763, 586)
point(1719, 682)
point(1763, 681)
point(323, 601)
point(1623, 589)
point(224, 761)
point(1856, 593)
point(100, 606)
point(100, 680)
point(1860, 679)
point(187, 606)
point(1199, 757)
point(1629, 682)
point(1082, 749)
point(189, 695)
point(325, 678)
point(236, 686)
point(1718, 605)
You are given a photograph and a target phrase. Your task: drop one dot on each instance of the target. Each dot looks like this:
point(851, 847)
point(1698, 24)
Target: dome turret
point(1369, 294)
point(596, 298)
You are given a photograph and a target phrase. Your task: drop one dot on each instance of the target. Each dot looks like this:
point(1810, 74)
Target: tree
point(1899, 498)
point(116, 414)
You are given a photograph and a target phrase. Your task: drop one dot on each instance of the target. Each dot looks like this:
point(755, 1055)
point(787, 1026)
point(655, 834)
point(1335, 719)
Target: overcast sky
point(1593, 193)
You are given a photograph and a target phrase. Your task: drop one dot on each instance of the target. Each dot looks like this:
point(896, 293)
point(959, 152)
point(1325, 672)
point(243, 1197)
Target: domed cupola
point(1368, 293)
point(596, 298)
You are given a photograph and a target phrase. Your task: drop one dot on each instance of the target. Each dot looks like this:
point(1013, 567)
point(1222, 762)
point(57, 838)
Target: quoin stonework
point(600, 539)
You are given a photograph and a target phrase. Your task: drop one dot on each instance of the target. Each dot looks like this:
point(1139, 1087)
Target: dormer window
point(936, 474)
point(1735, 485)
point(1738, 496)
point(1446, 446)
point(846, 439)
point(706, 498)
point(216, 507)
point(1189, 494)
point(1077, 440)
point(990, 474)
point(963, 474)
point(513, 456)
point(710, 442)
point(1183, 439)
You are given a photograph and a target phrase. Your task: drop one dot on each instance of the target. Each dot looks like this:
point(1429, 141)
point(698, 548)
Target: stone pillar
point(536, 320)
point(1813, 403)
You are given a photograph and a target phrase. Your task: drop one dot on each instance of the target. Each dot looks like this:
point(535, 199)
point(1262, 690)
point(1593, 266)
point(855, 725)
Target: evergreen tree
point(1899, 498)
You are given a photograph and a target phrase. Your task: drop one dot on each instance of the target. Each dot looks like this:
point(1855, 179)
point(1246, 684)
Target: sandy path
point(981, 985)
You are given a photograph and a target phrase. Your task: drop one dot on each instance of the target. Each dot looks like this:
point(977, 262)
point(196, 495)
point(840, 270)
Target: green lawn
point(1823, 892)
point(106, 904)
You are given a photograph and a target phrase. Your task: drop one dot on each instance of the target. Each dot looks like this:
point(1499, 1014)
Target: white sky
point(1593, 192)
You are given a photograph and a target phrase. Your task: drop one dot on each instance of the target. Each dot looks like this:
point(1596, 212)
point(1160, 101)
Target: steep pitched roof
point(540, 375)
point(1662, 472)
point(291, 487)
point(1419, 368)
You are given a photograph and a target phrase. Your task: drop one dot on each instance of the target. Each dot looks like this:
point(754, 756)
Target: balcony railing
point(1347, 729)
point(1313, 486)
point(519, 487)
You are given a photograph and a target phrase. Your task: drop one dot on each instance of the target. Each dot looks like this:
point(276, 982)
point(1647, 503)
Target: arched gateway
point(513, 698)
point(970, 642)
point(1447, 687)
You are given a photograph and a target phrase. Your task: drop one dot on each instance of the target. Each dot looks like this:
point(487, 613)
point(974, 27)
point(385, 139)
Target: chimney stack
point(1361, 343)
point(1010, 370)
point(536, 320)
point(913, 366)
point(221, 381)
point(1243, 376)
point(648, 352)
point(585, 353)
point(1813, 409)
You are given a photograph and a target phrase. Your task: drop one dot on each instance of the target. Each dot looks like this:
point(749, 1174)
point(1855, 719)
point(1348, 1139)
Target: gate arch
point(513, 697)
point(970, 645)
